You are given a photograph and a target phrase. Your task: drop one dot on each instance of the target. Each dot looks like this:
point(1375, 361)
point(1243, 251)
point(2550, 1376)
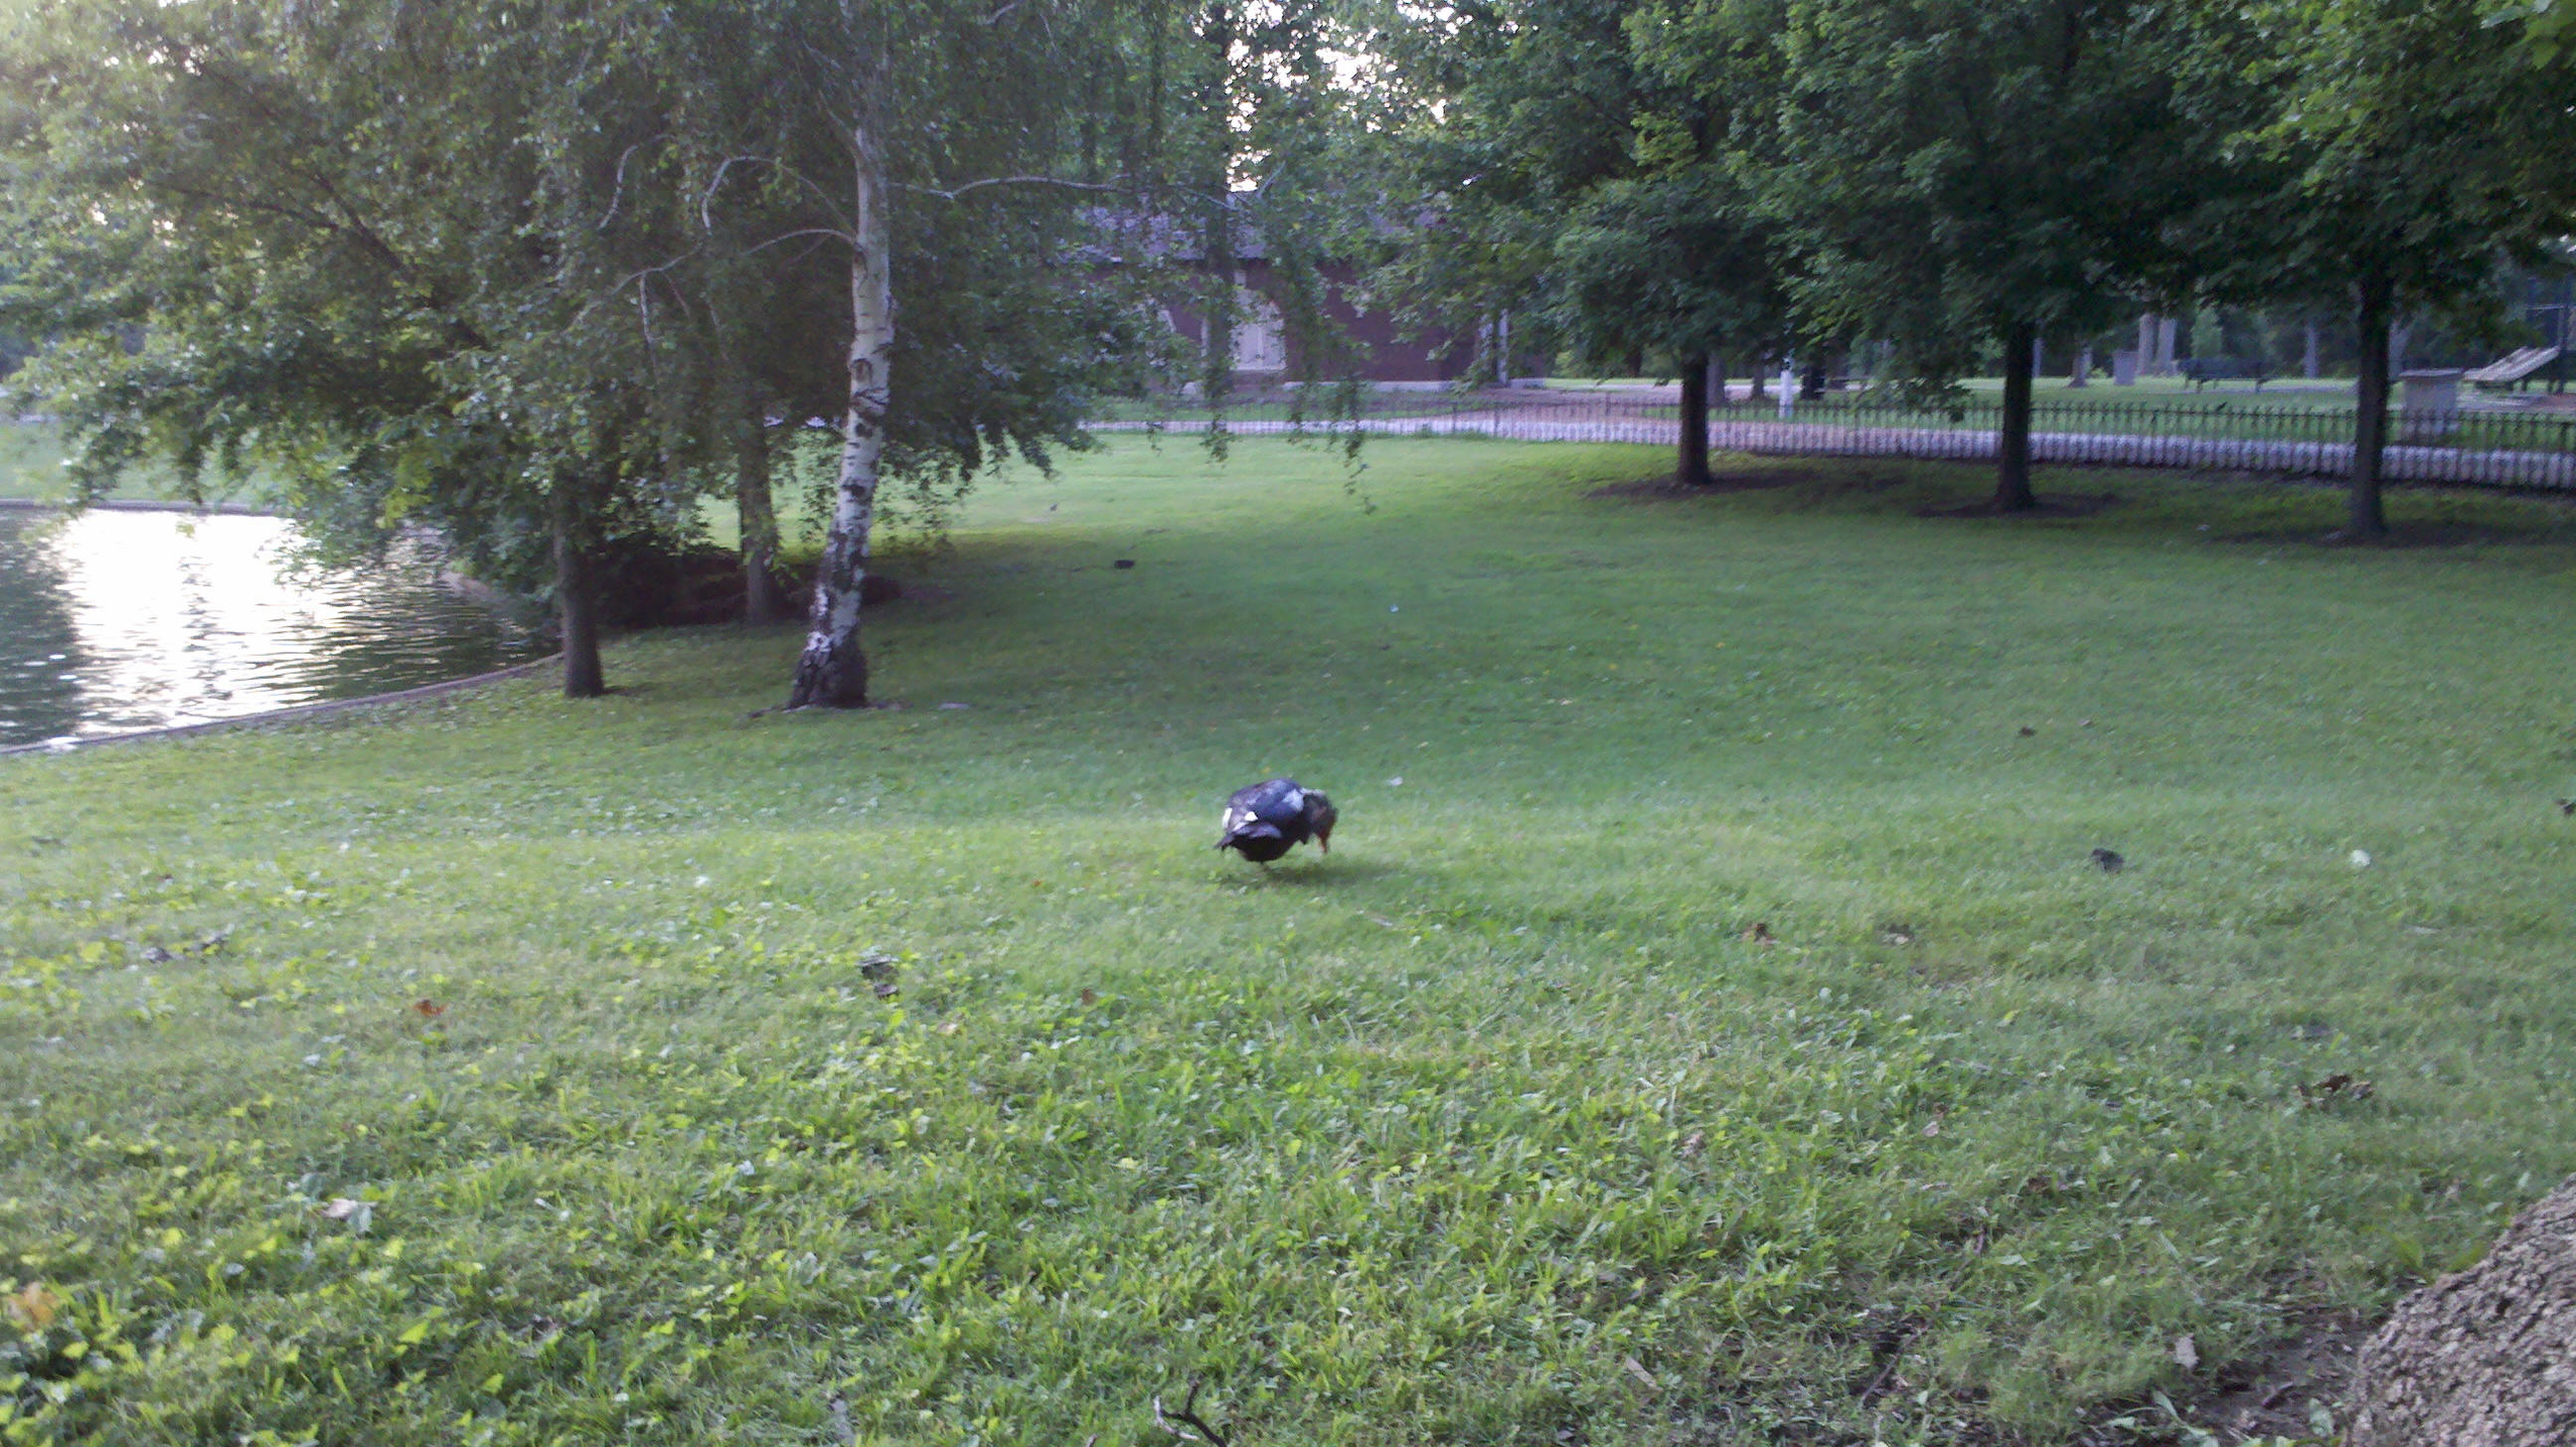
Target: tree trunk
point(1812, 385)
point(2012, 442)
point(2080, 374)
point(1754, 392)
point(2480, 1358)
point(1692, 470)
point(2308, 359)
point(575, 601)
point(1716, 384)
point(833, 671)
point(761, 599)
point(2368, 517)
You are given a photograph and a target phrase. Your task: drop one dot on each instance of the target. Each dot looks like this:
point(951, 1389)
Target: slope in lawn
point(1709, 1025)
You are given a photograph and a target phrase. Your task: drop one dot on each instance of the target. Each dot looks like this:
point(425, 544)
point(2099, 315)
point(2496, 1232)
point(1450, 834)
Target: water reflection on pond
point(126, 620)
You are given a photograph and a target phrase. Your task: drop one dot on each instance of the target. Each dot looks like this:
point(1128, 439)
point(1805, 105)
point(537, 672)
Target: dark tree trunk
point(2367, 520)
point(2479, 1358)
point(761, 598)
point(2012, 441)
point(1812, 386)
point(575, 601)
point(1692, 469)
point(1753, 392)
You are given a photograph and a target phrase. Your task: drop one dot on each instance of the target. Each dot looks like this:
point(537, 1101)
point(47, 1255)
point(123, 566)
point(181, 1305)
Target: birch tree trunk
point(833, 671)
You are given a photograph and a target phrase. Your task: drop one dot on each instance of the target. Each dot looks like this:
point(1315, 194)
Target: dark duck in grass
point(1269, 819)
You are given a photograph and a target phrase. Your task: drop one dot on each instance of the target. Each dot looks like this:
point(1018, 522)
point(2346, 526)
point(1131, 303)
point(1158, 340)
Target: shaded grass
point(1493, 1127)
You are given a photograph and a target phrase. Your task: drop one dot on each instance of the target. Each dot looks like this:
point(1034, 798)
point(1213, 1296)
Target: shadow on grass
point(2050, 505)
point(1317, 873)
point(2418, 534)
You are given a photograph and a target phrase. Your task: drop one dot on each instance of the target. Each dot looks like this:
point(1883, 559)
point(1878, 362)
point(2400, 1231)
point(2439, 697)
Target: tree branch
point(1008, 181)
point(1188, 1413)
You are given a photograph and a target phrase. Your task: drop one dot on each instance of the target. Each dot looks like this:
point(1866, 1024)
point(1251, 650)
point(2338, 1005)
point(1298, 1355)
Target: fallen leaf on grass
point(1932, 1127)
point(1693, 1144)
point(2186, 1353)
point(2361, 859)
point(33, 1309)
point(1089, 997)
point(1896, 934)
point(1637, 1369)
point(2339, 1085)
point(428, 1009)
point(154, 954)
point(359, 1214)
point(1760, 933)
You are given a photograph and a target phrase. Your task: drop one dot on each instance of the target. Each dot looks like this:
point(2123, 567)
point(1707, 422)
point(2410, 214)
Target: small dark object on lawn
point(2111, 863)
point(2567, 806)
point(2027, 731)
point(2337, 1084)
point(879, 971)
point(1124, 563)
point(1270, 818)
point(1760, 933)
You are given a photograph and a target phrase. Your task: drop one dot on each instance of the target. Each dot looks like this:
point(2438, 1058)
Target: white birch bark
point(833, 672)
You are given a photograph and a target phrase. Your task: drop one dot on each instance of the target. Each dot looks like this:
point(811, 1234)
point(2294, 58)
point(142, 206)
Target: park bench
point(2201, 371)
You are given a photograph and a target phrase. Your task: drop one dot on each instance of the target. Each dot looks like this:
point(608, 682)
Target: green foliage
point(1569, 176)
point(1424, 1142)
point(1952, 170)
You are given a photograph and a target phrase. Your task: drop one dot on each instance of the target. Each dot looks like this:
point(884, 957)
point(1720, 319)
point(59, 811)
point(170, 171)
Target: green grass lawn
point(31, 470)
point(1491, 1127)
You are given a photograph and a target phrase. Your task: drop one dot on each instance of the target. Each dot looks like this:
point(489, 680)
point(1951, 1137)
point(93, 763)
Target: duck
point(1268, 819)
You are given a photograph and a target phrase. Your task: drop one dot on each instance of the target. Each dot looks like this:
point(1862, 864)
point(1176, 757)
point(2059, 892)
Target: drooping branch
point(1188, 1414)
point(706, 202)
point(951, 195)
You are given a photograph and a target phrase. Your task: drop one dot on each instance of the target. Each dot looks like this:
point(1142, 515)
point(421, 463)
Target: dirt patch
point(1667, 485)
point(2269, 1394)
point(2051, 505)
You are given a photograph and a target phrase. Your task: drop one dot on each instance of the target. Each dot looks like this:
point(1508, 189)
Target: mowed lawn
point(1709, 1026)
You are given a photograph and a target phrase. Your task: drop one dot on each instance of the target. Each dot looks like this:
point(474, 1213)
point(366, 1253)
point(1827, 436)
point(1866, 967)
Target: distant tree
point(1574, 178)
point(2417, 149)
point(1964, 177)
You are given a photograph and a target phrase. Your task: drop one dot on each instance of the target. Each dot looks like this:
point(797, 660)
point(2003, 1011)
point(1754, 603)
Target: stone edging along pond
point(289, 715)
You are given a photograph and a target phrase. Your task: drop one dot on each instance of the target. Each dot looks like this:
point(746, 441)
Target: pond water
point(130, 620)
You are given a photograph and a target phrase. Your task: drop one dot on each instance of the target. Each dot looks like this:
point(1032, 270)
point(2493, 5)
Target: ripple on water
point(129, 620)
